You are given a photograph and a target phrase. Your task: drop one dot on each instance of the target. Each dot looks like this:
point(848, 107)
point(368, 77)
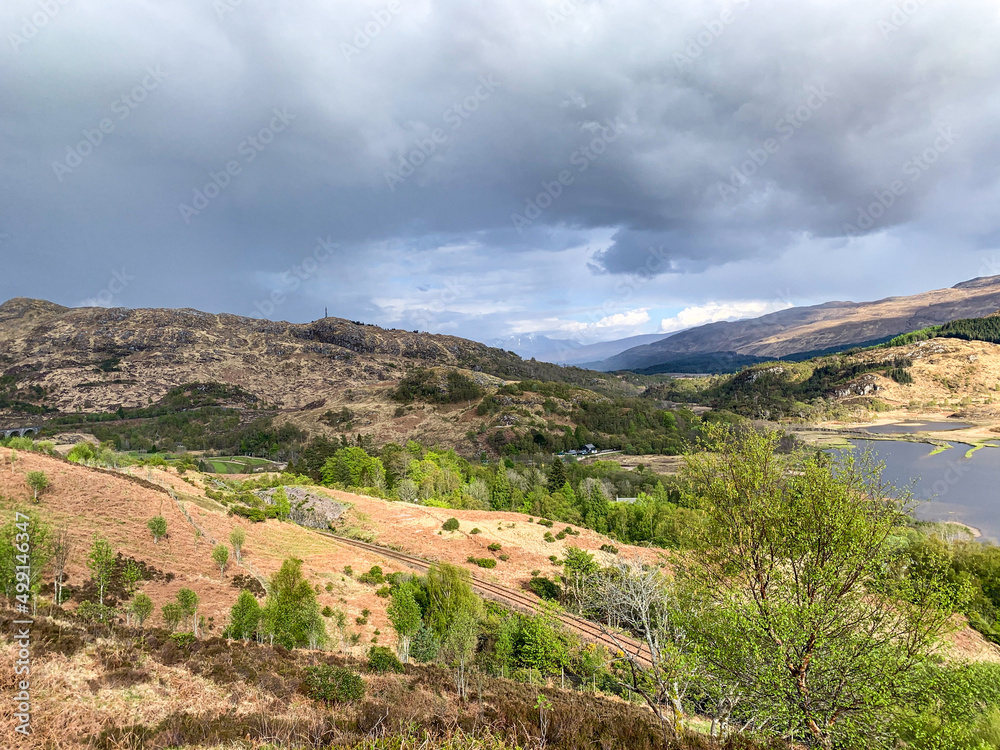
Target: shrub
point(182, 640)
point(569, 530)
point(561, 535)
point(545, 589)
point(483, 562)
point(548, 537)
point(505, 558)
point(382, 660)
point(495, 547)
point(348, 571)
point(553, 559)
point(450, 525)
point(546, 523)
point(256, 515)
point(374, 576)
point(327, 611)
point(609, 548)
point(475, 531)
point(383, 592)
point(333, 684)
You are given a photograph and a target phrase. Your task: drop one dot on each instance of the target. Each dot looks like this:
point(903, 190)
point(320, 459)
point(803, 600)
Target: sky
point(586, 169)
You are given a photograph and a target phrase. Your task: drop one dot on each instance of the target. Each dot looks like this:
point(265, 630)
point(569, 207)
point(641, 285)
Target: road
point(515, 599)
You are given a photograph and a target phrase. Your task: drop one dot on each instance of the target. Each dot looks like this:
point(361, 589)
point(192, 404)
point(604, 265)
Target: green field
point(239, 464)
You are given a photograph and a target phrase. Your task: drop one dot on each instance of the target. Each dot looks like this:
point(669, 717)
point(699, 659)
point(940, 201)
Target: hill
point(802, 332)
point(155, 378)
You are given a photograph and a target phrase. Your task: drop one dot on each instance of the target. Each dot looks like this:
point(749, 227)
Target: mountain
point(799, 332)
point(569, 352)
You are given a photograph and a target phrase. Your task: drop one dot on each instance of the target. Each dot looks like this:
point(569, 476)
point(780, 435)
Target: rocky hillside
point(56, 360)
point(805, 330)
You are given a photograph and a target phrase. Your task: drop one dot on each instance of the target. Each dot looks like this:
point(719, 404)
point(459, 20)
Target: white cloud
point(713, 312)
point(609, 327)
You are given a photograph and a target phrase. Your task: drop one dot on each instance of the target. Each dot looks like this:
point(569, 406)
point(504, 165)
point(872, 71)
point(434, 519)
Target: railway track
point(513, 598)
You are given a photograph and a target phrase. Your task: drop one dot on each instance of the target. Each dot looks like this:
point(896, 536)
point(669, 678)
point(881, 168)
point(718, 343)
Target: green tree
point(188, 601)
point(24, 539)
point(404, 614)
point(101, 562)
point(557, 476)
point(141, 608)
point(500, 493)
point(449, 592)
point(458, 646)
point(291, 613)
point(131, 575)
point(578, 567)
point(540, 645)
point(237, 538)
point(157, 525)
point(244, 617)
point(282, 506)
point(38, 481)
point(425, 645)
point(800, 603)
point(172, 615)
point(221, 556)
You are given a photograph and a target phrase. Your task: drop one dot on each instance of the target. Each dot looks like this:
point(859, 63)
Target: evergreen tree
point(557, 476)
point(500, 494)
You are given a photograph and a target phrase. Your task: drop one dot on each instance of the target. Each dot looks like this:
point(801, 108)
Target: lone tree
point(62, 547)
point(237, 538)
point(282, 506)
point(188, 602)
point(221, 556)
point(140, 608)
point(38, 482)
point(800, 601)
point(291, 614)
point(557, 476)
point(244, 617)
point(101, 562)
point(404, 614)
point(157, 525)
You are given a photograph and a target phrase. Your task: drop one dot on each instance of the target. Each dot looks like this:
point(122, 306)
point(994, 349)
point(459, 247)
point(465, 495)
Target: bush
point(327, 611)
point(548, 537)
point(483, 562)
point(383, 592)
point(381, 660)
point(545, 589)
point(333, 684)
point(256, 515)
point(475, 531)
point(495, 547)
point(609, 548)
point(182, 640)
point(546, 523)
point(348, 571)
point(374, 576)
point(450, 525)
point(505, 558)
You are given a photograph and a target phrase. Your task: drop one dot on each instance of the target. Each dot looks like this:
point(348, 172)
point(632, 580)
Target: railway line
point(513, 598)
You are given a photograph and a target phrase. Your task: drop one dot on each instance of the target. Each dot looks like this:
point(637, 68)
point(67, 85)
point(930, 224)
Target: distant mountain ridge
point(826, 327)
point(567, 351)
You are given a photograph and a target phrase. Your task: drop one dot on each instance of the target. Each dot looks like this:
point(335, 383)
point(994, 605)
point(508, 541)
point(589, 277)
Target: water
point(956, 488)
point(908, 428)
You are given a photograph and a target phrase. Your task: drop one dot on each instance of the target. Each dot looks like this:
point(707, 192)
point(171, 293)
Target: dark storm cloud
point(466, 158)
